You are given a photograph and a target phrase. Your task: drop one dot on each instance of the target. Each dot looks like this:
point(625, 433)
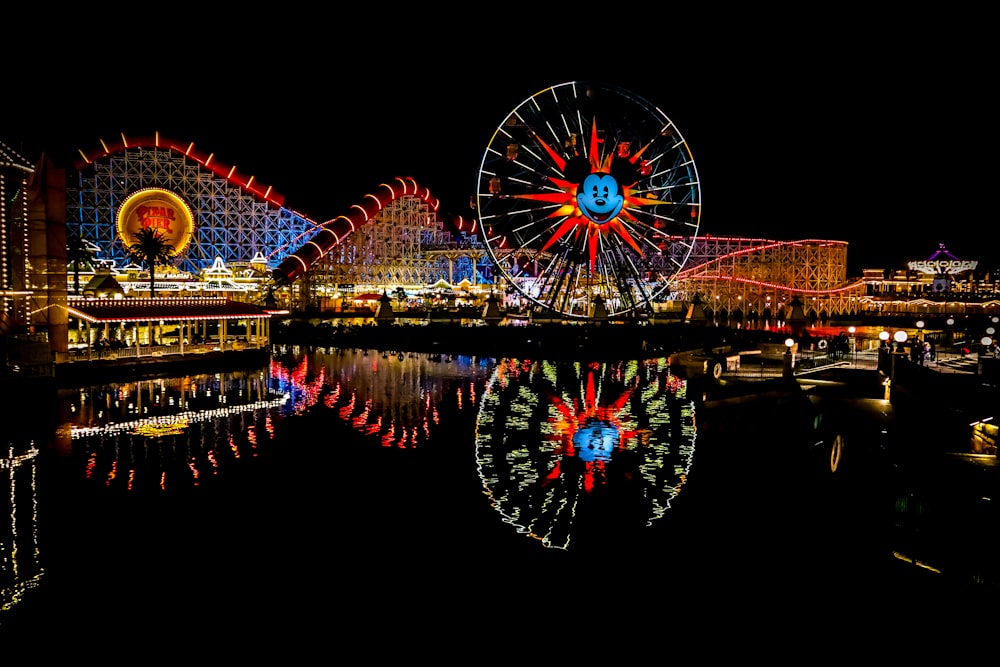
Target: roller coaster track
point(312, 239)
point(810, 267)
point(188, 150)
point(334, 231)
point(766, 274)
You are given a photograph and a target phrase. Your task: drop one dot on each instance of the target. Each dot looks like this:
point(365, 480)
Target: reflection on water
point(560, 448)
point(567, 446)
point(178, 431)
point(395, 399)
point(20, 563)
point(189, 487)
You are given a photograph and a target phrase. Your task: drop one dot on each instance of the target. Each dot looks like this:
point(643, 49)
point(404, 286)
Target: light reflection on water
point(178, 439)
point(159, 433)
point(556, 446)
point(400, 462)
point(395, 398)
point(566, 446)
point(20, 563)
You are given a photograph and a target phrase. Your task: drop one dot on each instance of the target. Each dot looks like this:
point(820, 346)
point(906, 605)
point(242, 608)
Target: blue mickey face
point(599, 198)
point(596, 441)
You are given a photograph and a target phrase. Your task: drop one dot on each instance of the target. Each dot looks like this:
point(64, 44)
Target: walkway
point(754, 367)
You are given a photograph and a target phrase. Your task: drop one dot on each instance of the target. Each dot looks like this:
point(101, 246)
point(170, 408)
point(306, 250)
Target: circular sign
point(159, 210)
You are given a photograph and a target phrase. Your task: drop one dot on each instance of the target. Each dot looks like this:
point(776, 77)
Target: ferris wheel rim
point(530, 190)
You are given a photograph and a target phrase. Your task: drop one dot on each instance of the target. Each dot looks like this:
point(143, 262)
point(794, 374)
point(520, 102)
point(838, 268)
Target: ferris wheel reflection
point(564, 446)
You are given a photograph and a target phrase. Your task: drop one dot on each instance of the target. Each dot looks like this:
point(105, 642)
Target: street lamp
point(921, 351)
point(884, 337)
point(789, 360)
point(854, 344)
point(900, 338)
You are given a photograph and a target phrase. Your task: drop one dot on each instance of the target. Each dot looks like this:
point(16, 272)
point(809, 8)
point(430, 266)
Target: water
point(385, 486)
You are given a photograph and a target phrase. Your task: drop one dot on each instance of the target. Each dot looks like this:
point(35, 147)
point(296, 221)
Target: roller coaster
point(396, 235)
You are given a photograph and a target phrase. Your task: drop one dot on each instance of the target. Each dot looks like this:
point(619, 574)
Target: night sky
point(800, 129)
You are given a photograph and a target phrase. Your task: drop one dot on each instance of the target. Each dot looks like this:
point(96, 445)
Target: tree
point(78, 252)
point(400, 295)
point(267, 298)
point(151, 248)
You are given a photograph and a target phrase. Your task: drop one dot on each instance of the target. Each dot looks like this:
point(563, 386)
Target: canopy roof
point(144, 310)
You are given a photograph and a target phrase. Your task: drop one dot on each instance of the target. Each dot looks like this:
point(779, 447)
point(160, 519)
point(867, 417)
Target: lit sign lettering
point(936, 266)
point(160, 210)
point(157, 217)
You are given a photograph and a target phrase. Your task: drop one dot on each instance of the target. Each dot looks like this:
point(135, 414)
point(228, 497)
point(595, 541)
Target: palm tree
point(151, 248)
point(78, 252)
point(400, 295)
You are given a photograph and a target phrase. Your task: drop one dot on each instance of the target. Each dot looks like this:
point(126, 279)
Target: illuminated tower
point(15, 173)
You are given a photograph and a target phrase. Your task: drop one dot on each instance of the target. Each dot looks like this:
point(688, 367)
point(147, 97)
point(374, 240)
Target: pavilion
point(166, 326)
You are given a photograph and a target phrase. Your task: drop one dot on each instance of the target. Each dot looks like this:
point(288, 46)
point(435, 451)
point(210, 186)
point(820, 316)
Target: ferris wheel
point(584, 191)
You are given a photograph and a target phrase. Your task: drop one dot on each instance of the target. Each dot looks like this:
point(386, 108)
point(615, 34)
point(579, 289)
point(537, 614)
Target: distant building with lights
point(942, 284)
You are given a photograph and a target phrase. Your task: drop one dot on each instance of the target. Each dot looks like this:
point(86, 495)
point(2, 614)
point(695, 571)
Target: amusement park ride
point(588, 195)
point(588, 206)
point(585, 194)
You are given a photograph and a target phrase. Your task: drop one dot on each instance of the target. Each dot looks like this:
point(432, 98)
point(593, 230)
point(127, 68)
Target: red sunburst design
point(577, 417)
point(576, 222)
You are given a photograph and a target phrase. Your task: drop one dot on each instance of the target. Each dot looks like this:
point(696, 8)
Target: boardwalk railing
point(115, 353)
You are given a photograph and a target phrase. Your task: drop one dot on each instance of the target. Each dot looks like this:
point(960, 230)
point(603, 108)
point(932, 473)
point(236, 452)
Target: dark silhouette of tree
point(78, 252)
point(266, 296)
point(151, 248)
point(399, 294)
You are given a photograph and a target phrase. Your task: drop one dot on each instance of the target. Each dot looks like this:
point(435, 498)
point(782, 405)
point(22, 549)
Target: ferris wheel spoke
point(583, 188)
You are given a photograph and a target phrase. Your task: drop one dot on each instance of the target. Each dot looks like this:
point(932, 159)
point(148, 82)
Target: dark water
point(340, 489)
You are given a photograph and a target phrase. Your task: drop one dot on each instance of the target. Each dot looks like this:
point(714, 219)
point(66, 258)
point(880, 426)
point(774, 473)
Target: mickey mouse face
point(600, 198)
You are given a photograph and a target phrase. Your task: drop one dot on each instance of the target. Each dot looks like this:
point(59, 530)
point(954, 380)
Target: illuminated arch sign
point(939, 266)
point(153, 208)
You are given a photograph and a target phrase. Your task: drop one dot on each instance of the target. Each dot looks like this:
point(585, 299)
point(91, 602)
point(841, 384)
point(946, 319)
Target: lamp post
point(989, 340)
point(920, 341)
point(789, 360)
point(854, 345)
point(883, 360)
point(900, 338)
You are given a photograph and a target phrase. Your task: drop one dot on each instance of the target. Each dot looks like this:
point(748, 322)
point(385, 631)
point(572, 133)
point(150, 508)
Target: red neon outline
point(296, 264)
point(228, 172)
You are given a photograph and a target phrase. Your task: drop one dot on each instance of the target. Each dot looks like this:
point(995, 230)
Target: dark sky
point(849, 130)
